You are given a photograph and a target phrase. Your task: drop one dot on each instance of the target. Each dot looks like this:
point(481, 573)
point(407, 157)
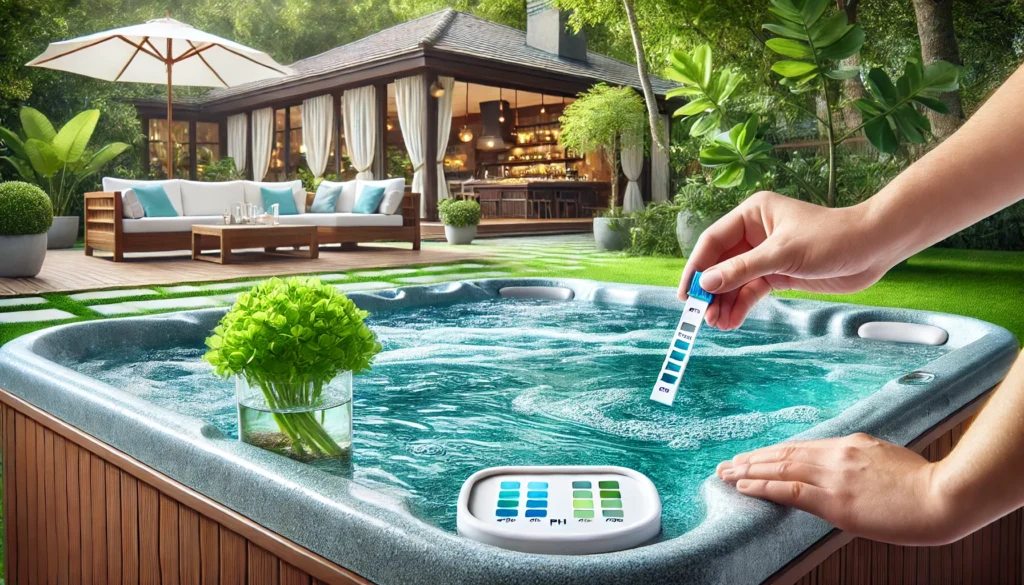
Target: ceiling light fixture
point(501, 108)
point(465, 133)
point(543, 110)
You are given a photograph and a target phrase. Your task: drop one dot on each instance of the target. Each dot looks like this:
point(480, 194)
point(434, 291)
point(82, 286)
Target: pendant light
point(543, 109)
point(501, 108)
point(466, 133)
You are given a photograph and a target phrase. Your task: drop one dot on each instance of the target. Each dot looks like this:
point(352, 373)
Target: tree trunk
point(853, 88)
point(645, 78)
point(938, 41)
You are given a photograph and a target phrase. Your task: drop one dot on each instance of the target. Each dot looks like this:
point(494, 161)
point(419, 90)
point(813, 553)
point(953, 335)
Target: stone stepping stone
point(35, 316)
point(432, 278)
point(331, 277)
point(448, 267)
point(100, 295)
point(189, 288)
point(182, 304)
point(361, 286)
point(380, 273)
point(22, 301)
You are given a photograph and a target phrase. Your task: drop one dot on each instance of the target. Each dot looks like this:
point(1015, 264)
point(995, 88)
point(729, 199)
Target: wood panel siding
point(78, 512)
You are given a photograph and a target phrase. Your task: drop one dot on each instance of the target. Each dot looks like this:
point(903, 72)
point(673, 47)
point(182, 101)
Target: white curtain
point(262, 141)
point(238, 136)
point(361, 128)
point(660, 177)
point(632, 165)
point(317, 131)
point(411, 99)
point(444, 129)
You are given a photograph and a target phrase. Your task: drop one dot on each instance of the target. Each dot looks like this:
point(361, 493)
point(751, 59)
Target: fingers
point(803, 496)
point(739, 270)
point(716, 241)
point(777, 471)
point(743, 302)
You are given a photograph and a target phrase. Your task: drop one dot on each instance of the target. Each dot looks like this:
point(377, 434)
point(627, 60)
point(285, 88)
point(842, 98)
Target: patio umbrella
point(163, 50)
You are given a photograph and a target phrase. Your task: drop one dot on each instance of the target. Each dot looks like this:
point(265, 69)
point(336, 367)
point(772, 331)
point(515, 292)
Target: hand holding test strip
point(682, 344)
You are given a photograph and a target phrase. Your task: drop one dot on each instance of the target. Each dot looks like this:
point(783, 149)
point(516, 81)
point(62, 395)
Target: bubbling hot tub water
point(530, 382)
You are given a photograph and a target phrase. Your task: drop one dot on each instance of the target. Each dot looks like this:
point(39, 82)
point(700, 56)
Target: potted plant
point(292, 347)
point(702, 204)
point(460, 218)
point(605, 119)
point(25, 216)
point(58, 162)
point(611, 229)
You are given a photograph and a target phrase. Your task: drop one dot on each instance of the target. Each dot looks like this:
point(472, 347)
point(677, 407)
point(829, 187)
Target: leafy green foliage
point(58, 161)
point(891, 114)
point(653, 231)
point(738, 156)
point(222, 170)
point(811, 42)
point(459, 212)
point(601, 116)
point(705, 201)
point(708, 90)
point(24, 209)
point(292, 331)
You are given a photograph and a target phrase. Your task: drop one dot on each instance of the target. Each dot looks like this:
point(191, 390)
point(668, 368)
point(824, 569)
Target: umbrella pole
point(170, 116)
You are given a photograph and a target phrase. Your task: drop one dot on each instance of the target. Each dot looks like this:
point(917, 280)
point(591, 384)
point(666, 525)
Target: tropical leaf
point(73, 138)
point(890, 113)
point(22, 166)
point(811, 43)
point(842, 73)
point(36, 125)
point(739, 158)
point(708, 90)
point(102, 157)
point(42, 157)
point(12, 142)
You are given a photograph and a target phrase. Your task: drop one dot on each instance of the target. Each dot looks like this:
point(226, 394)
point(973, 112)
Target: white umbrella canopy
point(163, 51)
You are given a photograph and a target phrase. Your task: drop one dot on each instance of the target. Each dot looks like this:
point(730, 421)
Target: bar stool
point(540, 206)
point(566, 202)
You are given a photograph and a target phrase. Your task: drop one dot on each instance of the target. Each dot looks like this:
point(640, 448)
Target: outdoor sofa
point(115, 222)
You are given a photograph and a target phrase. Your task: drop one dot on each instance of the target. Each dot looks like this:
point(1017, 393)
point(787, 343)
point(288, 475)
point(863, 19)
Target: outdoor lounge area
point(502, 293)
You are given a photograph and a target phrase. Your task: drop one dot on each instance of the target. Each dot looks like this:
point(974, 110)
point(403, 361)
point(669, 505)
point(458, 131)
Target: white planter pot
point(612, 234)
point(63, 233)
point(22, 256)
point(689, 229)
point(460, 236)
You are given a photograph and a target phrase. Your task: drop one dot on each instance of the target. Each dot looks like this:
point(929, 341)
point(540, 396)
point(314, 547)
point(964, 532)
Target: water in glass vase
point(305, 420)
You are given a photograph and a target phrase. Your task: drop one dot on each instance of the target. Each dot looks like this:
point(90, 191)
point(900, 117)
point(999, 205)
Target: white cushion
point(130, 206)
point(172, 188)
point(347, 198)
point(157, 225)
point(344, 220)
point(202, 198)
point(254, 195)
point(391, 203)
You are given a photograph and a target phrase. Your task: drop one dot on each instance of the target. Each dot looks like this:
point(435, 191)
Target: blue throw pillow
point(154, 201)
point(282, 197)
point(369, 200)
point(326, 199)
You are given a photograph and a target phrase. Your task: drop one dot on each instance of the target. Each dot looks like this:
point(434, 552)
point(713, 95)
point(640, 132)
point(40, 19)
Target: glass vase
point(305, 420)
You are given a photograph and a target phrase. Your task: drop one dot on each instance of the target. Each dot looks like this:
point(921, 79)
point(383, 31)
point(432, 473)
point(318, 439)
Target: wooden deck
point(504, 227)
point(67, 271)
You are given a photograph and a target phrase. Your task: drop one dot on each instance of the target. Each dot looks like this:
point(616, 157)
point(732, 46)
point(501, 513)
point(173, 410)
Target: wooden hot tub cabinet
point(78, 511)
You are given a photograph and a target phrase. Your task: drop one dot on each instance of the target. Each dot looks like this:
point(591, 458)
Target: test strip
point(682, 343)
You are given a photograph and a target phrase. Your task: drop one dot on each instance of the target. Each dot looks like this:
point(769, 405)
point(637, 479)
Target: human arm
point(880, 491)
point(774, 242)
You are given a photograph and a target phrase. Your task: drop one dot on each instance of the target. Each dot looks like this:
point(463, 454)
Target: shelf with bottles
point(540, 161)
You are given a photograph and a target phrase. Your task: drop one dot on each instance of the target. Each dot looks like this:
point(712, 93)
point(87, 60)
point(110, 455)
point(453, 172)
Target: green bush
point(459, 212)
point(292, 330)
point(221, 170)
point(654, 231)
point(705, 201)
point(24, 209)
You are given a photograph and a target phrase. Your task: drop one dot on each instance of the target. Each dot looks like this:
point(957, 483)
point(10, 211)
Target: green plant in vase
point(292, 346)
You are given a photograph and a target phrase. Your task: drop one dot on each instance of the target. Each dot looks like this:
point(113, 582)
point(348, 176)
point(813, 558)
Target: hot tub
point(504, 372)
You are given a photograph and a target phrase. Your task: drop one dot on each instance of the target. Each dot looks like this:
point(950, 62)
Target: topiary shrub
point(459, 212)
point(24, 209)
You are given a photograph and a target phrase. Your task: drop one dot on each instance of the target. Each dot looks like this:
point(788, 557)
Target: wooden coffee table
point(268, 237)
